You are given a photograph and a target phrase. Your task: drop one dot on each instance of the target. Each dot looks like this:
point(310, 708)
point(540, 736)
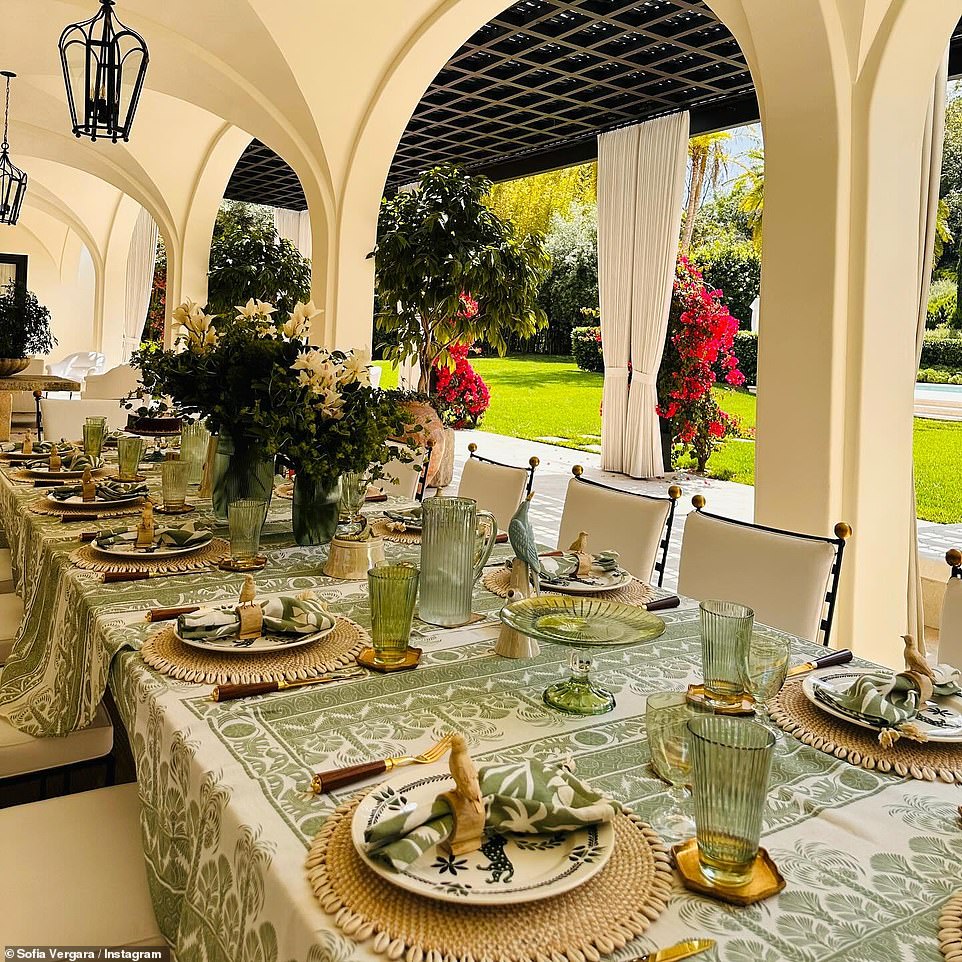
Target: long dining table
point(869, 858)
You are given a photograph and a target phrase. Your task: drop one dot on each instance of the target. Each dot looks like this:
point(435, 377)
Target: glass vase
point(240, 472)
point(314, 511)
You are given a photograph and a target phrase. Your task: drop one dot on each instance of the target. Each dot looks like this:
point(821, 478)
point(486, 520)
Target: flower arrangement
point(460, 395)
point(700, 341)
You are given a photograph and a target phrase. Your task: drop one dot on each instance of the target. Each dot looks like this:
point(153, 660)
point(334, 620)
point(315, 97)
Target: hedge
point(586, 348)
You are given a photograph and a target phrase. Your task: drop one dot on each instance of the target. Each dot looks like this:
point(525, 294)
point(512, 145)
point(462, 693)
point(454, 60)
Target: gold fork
point(339, 777)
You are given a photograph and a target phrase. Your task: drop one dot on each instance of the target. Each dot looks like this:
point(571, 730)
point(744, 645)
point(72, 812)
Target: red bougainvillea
point(459, 393)
point(701, 336)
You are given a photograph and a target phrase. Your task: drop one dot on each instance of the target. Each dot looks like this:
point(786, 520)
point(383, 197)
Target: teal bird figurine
point(521, 536)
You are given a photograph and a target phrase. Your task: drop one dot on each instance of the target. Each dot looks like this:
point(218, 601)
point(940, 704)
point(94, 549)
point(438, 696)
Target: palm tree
point(709, 161)
point(751, 186)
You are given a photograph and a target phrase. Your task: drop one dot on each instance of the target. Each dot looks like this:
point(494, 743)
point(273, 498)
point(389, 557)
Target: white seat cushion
point(615, 521)
point(75, 872)
point(783, 578)
point(22, 754)
point(496, 488)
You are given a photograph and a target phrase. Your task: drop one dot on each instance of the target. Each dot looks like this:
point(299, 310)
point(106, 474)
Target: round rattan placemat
point(604, 914)
point(42, 506)
point(635, 593)
point(929, 761)
point(950, 929)
point(90, 558)
point(382, 529)
point(163, 652)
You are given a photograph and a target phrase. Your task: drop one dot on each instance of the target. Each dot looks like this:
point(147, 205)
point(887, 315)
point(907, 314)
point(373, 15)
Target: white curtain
point(928, 213)
point(641, 181)
point(141, 260)
point(295, 226)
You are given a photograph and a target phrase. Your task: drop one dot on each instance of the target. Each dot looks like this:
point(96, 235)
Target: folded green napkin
point(71, 461)
point(883, 699)
point(106, 490)
point(185, 537)
point(530, 797)
point(566, 564)
point(282, 616)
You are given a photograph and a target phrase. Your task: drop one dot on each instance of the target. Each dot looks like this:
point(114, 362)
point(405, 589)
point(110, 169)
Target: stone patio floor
point(722, 497)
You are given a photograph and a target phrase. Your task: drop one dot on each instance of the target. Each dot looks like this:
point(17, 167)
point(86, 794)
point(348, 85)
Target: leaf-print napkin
point(285, 615)
point(531, 797)
point(71, 461)
point(185, 537)
point(883, 699)
point(566, 564)
point(106, 490)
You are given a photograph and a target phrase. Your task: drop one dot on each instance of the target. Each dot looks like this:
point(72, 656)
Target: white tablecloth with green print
point(869, 858)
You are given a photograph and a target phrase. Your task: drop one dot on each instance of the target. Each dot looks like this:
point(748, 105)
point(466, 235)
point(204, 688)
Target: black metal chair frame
point(533, 463)
point(842, 533)
point(674, 493)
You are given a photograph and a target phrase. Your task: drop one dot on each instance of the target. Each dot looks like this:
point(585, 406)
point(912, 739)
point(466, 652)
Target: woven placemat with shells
point(636, 593)
point(926, 761)
point(394, 531)
point(597, 918)
point(100, 508)
point(165, 653)
point(91, 559)
point(950, 929)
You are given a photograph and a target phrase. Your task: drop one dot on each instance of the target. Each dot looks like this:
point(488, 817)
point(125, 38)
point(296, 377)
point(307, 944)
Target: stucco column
point(843, 118)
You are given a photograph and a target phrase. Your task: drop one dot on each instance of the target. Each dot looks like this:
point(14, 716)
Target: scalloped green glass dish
point(583, 622)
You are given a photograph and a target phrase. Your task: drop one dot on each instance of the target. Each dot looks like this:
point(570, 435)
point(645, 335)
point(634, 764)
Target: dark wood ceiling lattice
point(533, 88)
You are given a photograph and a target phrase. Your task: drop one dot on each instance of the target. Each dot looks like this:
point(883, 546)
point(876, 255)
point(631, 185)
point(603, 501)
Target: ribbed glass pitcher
point(456, 542)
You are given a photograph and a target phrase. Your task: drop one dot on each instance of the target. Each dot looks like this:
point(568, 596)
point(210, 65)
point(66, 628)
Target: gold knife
point(682, 950)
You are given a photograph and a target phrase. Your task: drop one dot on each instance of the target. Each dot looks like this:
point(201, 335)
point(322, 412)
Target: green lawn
point(549, 399)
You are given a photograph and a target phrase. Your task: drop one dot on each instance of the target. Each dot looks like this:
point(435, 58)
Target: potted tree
point(439, 247)
point(24, 329)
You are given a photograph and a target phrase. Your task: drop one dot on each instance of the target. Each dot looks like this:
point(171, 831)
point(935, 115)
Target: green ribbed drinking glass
point(726, 633)
point(731, 762)
point(130, 452)
point(94, 430)
point(393, 589)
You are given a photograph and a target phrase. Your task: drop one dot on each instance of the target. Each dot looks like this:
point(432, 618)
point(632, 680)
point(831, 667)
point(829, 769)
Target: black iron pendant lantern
point(13, 181)
point(104, 65)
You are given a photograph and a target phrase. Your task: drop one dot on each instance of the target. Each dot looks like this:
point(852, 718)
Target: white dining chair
point(114, 384)
point(637, 526)
point(789, 579)
point(405, 479)
point(950, 622)
point(498, 488)
point(77, 874)
point(63, 418)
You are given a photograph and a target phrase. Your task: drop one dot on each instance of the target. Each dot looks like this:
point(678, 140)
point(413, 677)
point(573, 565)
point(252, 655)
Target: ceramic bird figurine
point(914, 660)
point(248, 590)
point(521, 536)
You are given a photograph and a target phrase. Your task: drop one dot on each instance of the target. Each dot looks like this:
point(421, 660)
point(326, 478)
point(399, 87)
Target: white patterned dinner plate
point(510, 868)
point(128, 550)
point(940, 719)
point(590, 584)
point(268, 642)
point(77, 501)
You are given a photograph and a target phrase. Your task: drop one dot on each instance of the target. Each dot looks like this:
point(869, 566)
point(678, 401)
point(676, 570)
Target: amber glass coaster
point(411, 660)
point(697, 696)
point(186, 509)
point(255, 564)
point(765, 880)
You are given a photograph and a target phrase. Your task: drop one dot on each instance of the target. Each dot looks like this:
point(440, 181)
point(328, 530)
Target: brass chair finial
point(843, 531)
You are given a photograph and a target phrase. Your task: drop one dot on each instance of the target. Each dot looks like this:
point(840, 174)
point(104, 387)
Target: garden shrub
point(736, 270)
point(586, 348)
point(942, 300)
point(746, 350)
